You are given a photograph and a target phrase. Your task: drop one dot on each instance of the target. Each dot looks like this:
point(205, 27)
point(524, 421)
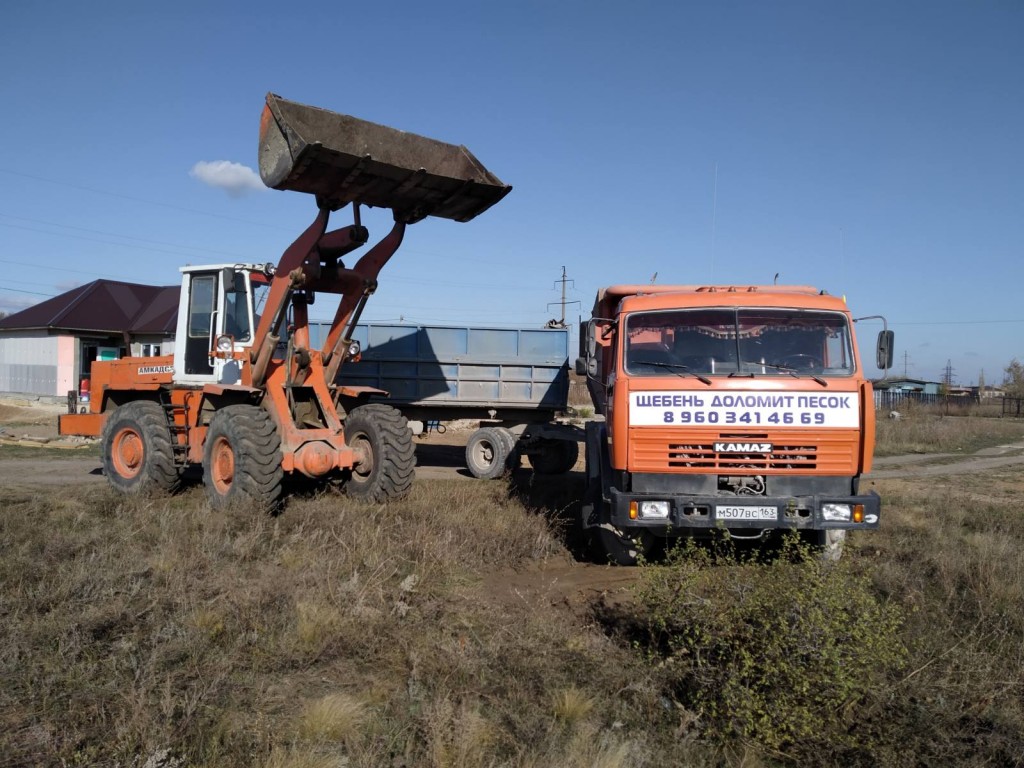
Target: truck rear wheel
point(381, 435)
point(490, 452)
point(242, 458)
point(138, 456)
point(556, 457)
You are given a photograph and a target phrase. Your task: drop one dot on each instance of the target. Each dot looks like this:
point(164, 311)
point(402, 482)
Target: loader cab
point(217, 301)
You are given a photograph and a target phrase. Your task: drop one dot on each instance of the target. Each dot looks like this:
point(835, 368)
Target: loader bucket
point(342, 159)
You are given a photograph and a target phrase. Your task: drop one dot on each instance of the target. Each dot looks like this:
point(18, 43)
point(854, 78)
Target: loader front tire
point(137, 452)
point(381, 437)
point(242, 459)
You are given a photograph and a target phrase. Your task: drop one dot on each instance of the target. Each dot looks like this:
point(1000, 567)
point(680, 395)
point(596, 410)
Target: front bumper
point(689, 513)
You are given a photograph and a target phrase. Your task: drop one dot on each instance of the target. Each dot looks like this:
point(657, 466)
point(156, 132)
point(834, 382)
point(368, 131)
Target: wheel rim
point(128, 453)
point(484, 452)
point(364, 449)
point(222, 466)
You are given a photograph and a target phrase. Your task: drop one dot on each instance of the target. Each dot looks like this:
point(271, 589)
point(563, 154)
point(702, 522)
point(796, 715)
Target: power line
point(139, 199)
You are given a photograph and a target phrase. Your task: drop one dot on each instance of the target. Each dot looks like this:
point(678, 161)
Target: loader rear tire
point(556, 457)
point(137, 452)
point(381, 435)
point(242, 459)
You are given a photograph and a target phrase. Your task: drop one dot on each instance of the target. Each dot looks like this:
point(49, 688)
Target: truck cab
point(743, 408)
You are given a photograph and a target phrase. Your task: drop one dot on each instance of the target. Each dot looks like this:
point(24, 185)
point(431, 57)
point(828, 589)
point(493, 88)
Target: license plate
point(745, 513)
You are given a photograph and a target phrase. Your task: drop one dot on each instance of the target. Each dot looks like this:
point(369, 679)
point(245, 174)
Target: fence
point(1013, 406)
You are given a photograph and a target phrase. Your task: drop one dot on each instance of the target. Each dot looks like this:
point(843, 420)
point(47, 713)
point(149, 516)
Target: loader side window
point(236, 313)
point(200, 305)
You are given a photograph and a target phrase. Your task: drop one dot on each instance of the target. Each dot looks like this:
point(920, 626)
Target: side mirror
point(884, 350)
point(591, 348)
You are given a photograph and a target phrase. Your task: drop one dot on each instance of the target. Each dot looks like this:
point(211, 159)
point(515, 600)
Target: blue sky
point(872, 149)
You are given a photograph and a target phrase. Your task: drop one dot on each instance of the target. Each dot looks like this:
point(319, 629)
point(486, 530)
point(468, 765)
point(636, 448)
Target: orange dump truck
point(744, 408)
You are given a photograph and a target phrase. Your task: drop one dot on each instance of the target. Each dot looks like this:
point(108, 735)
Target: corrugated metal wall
point(28, 363)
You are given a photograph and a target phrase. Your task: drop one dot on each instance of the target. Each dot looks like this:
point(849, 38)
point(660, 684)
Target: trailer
point(513, 381)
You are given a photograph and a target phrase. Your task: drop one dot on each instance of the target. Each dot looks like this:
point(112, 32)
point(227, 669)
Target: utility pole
point(947, 375)
point(906, 358)
point(560, 323)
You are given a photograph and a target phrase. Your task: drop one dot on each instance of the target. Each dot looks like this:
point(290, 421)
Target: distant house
point(909, 385)
point(48, 348)
point(985, 392)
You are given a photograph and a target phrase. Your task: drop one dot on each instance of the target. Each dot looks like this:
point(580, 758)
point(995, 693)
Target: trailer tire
point(515, 456)
point(138, 456)
point(381, 433)
point(620, 547)
point(242, 459)
point(488, 453)
point(555, 457)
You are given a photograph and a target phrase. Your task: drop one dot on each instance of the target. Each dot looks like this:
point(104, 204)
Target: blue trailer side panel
point(521, 368)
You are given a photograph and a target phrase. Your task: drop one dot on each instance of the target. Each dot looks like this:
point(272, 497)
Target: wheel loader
point(244, 396)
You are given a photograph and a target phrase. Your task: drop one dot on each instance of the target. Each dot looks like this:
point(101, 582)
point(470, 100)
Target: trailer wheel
point(618, 546)
point(556, 457)
point(488, 453)
point(382, 436)
point(827, 544)
point(515, 456)
point(137, 452)
point(242, 458)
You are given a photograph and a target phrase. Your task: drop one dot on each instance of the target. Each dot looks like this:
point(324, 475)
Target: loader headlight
point(354, 349)
point(224, 343)
point(836, 513)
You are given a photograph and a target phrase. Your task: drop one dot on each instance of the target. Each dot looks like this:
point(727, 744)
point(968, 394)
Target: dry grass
point(132, 626)
point(928, 430)
point(340, 634)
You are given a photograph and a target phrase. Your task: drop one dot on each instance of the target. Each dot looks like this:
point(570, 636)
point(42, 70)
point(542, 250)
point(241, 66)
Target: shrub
point(783, 652)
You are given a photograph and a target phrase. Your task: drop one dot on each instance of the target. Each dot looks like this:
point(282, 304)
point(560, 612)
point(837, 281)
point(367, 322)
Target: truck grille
point(670, 451)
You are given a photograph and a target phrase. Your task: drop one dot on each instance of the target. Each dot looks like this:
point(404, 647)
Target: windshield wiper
point(676, 367)
point(784, 369)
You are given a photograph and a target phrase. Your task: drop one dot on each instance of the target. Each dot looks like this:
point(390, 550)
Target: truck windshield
point(720, 341)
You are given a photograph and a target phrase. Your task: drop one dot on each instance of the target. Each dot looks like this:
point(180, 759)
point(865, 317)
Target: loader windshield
point(724, 341)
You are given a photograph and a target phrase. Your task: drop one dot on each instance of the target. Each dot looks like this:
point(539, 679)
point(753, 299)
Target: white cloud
point(234, 178)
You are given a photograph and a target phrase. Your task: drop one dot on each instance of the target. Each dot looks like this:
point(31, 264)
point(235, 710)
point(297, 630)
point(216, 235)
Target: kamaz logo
point(743, 447)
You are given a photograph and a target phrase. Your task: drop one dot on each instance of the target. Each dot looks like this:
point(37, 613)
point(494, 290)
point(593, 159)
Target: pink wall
point(67, 368)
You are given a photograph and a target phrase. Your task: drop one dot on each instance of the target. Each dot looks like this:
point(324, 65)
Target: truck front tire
point(618, 546)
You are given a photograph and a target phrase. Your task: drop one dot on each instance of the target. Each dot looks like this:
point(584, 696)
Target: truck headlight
point(657, 510)
point(836, 513)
